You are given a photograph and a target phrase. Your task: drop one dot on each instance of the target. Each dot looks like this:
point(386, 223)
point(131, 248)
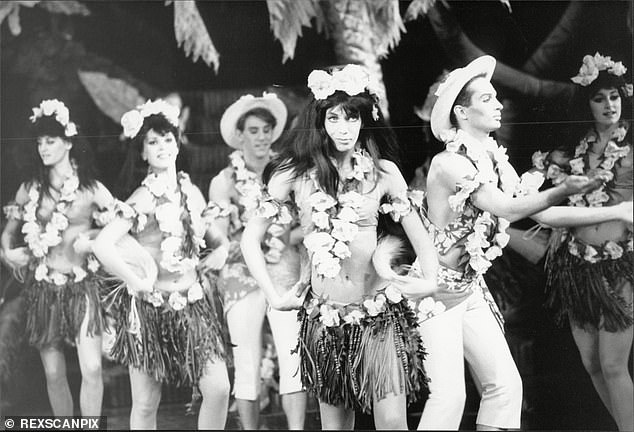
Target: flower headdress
point(50, 107)
point(589, 70)
point(133, 119)
point(351, 79)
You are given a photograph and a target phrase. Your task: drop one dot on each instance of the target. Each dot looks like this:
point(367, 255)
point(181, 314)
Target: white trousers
point(245, 319)
point(469, 331)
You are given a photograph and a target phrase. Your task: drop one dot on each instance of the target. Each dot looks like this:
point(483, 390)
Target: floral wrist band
point(54, 107)
point(133, 119)
point(589, 70)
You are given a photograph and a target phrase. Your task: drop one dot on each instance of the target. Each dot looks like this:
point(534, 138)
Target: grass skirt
point(55, 312)
point(588, 293)
point(172, 346)
point(355, 365)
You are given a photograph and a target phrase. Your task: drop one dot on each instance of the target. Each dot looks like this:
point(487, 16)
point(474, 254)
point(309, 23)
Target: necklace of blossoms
point(40, 239)
point(251, 193)
point(479, 258)
point(606, 168)
point(334, 220)
point(183, 234)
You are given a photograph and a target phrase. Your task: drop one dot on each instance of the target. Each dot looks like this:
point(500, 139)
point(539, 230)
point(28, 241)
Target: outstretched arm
point(564, 216)
point(218, 222)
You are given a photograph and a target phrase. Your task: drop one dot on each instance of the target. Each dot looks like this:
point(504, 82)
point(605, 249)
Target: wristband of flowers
point(13, 211)
point(118, 208)
point(610, 250)
point(55, 107)
point(332, 315)
point(589, 70)
point(132, 121)
point(180, 221)
point(175, 300)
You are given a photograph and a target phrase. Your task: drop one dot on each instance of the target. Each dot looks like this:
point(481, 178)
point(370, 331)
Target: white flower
point(171, 244)
point(131, 122)
point(582, 148)
point(59, 221)
point(320, 83)
point(80, 273)
point(155, 298)
point(597, 197)
point(393, 294)
point(577, 200)
point(538, 159)
point(530, 182)
point(479, 263)
point(608, 163)
point(156, 185)
point(502, 239)
point(352, 79)
point(590, 254)
point(177, 301)
point(341, 250)
point(168, 216)
point(194, 293)
point(616, 151)
point(59, 279)
point(275, 230)
point(354, 317)
point(275, 243)
point(321, 201)
point(266, 209)
point(321, 220)
point(376, 306)
point(318, 240)
point(92, 264)
point(70, 130)
point(428, 308)
point(273, 256)
point(613, 249)
point(41, 272)
point(344, 231)
point(555, 174)
point(619, 135)
point(573, 248)
point(159, 106)
point(351, 199)
point(347, 214)
point(493, 252)
point(617, 69)
point(328, 267)
point(329, 316)
point(576, 165)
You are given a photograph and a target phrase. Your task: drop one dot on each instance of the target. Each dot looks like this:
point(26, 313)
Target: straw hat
point(269, 101)
point(448, 91)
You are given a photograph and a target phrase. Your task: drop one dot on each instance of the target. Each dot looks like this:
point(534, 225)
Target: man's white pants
point(469, 331)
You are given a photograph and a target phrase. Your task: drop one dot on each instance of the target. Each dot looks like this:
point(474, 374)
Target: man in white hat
point(473, 195)
point(251, 125)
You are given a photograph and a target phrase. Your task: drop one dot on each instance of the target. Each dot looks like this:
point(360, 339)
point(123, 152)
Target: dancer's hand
point(216, 259)
point(414, 287)
point(293, 298)
point(575, 184)
point(16, 258)
point(82, 244)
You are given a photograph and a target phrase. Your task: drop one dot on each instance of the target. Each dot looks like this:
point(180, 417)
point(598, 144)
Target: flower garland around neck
point(179, 218)
point(40, 239)
point(335, 220)
point(488, 237)
point(251, 194)
point(613, 152)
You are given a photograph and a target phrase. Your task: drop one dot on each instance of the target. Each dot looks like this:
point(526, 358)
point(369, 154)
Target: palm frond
point(420, 8)
point(192, 34)
point(386, 24)
point(112, 96)
point(287, 18)
point(66, 7)
point(11, 9)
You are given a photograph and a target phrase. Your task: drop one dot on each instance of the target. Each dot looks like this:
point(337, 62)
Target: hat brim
point(229, 119)
point(449, 90)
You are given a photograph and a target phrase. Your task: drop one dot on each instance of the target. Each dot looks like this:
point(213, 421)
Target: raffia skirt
point(55, 312)
point(357, 364)
point(172, 346)
point(598, 294)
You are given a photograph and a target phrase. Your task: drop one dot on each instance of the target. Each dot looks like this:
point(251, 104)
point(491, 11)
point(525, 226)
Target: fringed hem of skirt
point(55, 312)
point(170, 346)
point(585, 293)
point(355, 365)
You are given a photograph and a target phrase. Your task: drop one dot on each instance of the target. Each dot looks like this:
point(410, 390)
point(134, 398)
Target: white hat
point(229, 120)
point(448, 91)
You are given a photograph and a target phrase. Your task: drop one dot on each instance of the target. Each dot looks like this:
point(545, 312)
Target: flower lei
point(335, 220)
point(351, 79)
point(132, 121)
point(613, 152)
point(483, 245)
point(251, 197)
point(589, 70)
point(331, 315)
point(40, 239)
point(55, 107)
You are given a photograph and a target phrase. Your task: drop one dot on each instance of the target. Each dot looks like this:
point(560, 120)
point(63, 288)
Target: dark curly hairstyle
point(134, 168)
point(80, 155)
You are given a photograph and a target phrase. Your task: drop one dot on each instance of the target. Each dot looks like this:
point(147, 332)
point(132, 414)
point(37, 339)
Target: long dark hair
point(80, 155)
point(308, 145)
point(134, 168)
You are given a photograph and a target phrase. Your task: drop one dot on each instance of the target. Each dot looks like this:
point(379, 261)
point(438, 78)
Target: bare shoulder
point(449, 167)
point(220, 186)
point(281, 183)
point(142, 199)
